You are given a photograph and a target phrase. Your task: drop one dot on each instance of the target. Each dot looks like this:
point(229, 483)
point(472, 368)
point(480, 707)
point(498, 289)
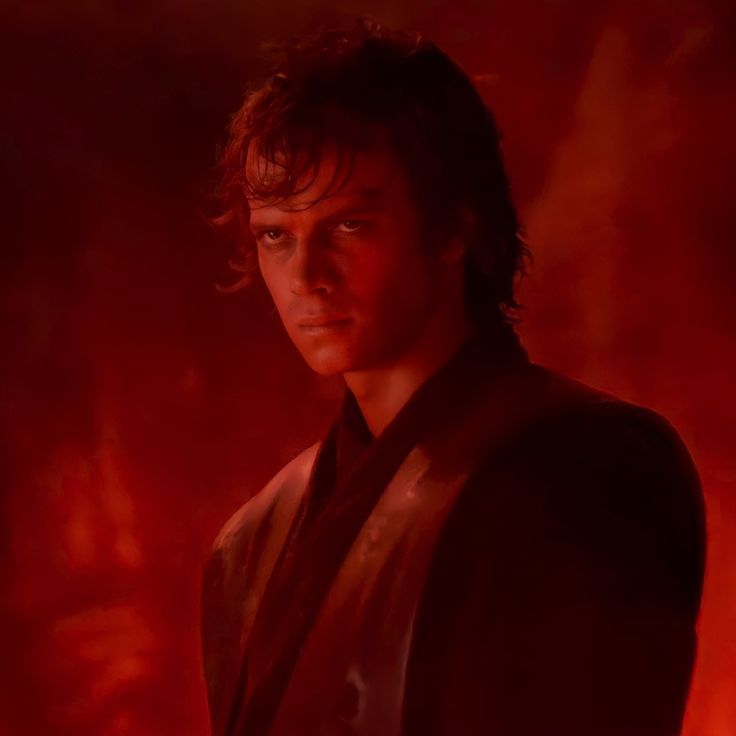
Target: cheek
point(393, 290)
point(276, 285)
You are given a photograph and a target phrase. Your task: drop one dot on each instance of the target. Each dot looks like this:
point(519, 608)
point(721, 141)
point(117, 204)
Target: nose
point(310, 267)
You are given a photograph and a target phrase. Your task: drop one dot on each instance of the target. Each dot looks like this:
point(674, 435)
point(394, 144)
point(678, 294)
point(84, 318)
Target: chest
point(349, 676)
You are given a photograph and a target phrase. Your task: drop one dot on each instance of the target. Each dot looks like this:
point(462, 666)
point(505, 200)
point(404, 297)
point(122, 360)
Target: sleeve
point(216, 641)
point(566, 589)
point(225, 582)
point(232, 579)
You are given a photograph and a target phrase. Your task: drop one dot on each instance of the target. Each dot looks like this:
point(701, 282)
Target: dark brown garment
point(563, 591)
point(352, 470)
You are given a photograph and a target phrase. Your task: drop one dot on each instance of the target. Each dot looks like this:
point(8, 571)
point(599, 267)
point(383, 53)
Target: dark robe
point(554, 591)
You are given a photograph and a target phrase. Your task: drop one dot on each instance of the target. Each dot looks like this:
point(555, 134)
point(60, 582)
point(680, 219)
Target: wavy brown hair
point(340, 88)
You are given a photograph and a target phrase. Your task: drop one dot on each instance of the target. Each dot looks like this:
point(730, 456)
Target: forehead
point(368, 174)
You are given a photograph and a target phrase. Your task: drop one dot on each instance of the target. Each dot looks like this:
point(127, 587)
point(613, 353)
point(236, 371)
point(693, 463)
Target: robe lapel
point(334, 528)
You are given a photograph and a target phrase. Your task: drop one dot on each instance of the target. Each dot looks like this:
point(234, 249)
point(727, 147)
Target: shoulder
point(236, 554)
point(254, 526)
point(285, 486)
point(592, 423)
point(598, 430)
point(233, 579)
point(614, 476)
point(596, 441)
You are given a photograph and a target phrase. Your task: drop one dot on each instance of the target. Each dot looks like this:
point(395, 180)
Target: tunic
point(516, 553)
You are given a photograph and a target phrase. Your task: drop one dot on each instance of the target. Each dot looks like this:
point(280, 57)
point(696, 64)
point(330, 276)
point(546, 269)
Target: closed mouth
point(323, 321)
point(324, 325)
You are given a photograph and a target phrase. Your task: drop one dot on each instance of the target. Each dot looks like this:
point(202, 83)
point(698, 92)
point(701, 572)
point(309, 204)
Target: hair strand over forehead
point(343, 88)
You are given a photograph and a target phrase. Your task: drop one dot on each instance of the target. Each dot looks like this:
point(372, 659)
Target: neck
point(383, 390)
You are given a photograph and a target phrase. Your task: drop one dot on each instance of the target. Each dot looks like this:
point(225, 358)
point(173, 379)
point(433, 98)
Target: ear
point(466, 224)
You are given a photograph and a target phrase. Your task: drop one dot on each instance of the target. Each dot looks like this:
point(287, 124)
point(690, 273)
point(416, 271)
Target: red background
point(140, 406)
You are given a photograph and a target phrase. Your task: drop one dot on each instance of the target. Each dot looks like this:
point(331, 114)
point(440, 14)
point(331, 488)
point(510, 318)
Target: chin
point(328, 363)
point(328, 358)
point(329, 355)
point(350, 350)
point(335, 355)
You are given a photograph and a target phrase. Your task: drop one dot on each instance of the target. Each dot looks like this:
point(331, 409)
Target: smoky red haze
point(141, 406)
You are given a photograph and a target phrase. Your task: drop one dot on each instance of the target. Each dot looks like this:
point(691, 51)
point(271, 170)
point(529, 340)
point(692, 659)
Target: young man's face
point(350, 276)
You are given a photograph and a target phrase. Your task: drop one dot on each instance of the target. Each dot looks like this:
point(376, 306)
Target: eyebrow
point(364, 200)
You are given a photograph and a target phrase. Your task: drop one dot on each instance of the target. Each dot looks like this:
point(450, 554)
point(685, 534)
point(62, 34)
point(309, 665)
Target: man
point(479, 545)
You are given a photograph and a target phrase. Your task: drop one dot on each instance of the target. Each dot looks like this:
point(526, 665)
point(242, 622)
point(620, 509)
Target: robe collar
point(349, 443)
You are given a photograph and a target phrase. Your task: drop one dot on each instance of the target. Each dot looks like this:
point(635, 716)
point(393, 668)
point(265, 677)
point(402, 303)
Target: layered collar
point(444, 396)
point(351, 471)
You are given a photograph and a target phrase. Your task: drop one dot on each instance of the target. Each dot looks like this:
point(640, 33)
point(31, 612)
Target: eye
point(350, 227)
point(270, 237)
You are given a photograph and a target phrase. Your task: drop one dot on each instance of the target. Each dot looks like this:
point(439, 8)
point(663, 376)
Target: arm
point(235, 576)
point(565, 590)
point(219, 639)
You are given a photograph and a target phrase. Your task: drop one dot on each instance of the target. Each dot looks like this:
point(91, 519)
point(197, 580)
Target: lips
point(323, 320)
point(327, 326)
